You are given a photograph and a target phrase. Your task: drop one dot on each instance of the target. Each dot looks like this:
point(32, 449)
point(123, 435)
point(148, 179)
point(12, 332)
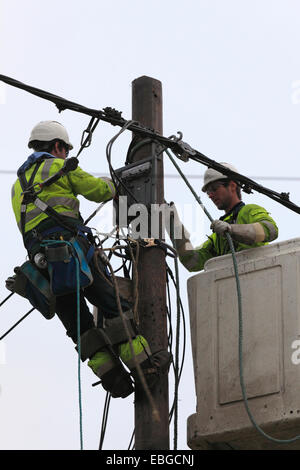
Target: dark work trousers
point(100, 294)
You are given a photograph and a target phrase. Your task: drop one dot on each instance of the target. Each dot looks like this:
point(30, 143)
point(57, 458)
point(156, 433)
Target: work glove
point(220, 227)
point(181, 236)
point(244, 233)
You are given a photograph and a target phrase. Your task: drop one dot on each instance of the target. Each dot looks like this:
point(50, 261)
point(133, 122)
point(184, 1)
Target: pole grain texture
point(150, 434)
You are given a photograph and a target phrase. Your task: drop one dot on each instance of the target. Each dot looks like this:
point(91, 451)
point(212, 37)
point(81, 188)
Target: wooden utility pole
point(150, 434)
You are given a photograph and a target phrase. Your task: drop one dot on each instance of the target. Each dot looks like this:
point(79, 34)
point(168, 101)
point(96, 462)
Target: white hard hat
point(213, 175)
point(45, 131)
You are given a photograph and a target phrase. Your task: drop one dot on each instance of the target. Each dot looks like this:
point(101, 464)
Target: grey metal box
point(270, 285)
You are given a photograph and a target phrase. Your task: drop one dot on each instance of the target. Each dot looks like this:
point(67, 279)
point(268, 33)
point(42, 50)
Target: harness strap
point(38, 202)
point(52, 213)
point(24, 185)
point(234, 212)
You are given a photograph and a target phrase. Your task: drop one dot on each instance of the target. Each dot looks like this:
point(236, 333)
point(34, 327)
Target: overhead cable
point(181, 149)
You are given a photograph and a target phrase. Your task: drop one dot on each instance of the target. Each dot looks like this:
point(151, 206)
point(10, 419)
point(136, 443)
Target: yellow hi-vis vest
point(61, 195)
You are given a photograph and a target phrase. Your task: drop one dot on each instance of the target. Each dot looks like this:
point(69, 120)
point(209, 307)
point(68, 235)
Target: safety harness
point(60, 261)
point(30, 195)
point(28, 280)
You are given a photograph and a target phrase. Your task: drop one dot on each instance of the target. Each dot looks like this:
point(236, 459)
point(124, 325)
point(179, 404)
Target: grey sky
point(230, 72)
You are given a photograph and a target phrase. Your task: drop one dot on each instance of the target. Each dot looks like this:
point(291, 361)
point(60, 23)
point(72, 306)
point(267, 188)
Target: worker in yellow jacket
point(55, 215)
point(249, 225)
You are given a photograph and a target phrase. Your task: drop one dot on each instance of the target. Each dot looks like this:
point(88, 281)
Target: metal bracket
point(112, 113)
point(285, 196)
point(136, 170)
point(184, 150)
point(187, 150)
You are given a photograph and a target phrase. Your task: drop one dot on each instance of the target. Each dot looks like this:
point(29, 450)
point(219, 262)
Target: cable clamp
point(182, 150)
point(112, 113)
point(285, 196)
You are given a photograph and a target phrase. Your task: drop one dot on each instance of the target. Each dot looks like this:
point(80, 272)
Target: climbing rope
point(241, 368)
point(54, 242)
point(240, 319)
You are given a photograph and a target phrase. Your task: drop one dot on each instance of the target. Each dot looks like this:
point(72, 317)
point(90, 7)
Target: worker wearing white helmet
point(249, 225)
point(48, 131)
point(55, 214)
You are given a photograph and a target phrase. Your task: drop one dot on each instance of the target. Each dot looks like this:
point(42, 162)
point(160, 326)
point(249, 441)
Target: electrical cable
point(155, 413)
point(169, 314)
point(131, 441)
point(177, 339)
point(8, 297)
point(189, 186)
point(104, 419)
point(105, 259)
point(170, 273)
point(114, 175)
point(16, 324)
point(181, 149)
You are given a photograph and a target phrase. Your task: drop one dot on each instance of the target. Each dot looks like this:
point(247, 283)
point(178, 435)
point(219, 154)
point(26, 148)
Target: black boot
point(118, 382)
point(153, 368)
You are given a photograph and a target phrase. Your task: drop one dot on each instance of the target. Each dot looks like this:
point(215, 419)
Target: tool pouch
point(64, 258)
point(31, 284)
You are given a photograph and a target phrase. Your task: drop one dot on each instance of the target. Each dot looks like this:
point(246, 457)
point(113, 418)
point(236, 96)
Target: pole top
point(145, 79)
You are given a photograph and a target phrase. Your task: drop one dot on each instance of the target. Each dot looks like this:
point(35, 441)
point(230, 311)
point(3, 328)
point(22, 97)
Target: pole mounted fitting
point(182, 149)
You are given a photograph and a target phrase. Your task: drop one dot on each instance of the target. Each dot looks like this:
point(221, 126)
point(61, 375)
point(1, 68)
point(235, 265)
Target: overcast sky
point(230, 72)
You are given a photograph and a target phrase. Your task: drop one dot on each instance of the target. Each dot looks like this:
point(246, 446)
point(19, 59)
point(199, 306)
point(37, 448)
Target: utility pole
point(150, 434)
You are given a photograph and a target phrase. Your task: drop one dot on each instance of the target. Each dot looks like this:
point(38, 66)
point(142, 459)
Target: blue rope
point(52, 242)
point(79, 351)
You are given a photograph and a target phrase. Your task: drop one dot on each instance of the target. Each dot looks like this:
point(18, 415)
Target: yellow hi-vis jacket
point(61, 195)
point(217, 245)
